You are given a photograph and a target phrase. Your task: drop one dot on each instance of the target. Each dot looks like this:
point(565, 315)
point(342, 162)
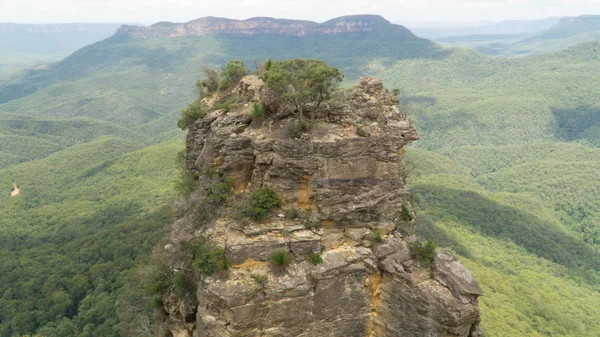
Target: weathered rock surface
point(347, 186)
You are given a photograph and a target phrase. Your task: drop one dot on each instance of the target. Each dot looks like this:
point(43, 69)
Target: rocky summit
point(337, 257)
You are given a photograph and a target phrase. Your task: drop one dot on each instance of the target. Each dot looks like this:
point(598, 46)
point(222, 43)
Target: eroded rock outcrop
point(347, 186)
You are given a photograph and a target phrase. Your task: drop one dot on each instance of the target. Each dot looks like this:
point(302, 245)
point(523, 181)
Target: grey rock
point(356, 235)
point(451, 273)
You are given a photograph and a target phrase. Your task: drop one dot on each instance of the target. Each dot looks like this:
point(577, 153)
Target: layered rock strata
point(347, 187)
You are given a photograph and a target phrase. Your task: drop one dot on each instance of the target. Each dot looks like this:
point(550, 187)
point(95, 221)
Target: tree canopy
point(303, 83)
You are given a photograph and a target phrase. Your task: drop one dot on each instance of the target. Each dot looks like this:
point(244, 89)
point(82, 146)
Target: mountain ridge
point(263, 25)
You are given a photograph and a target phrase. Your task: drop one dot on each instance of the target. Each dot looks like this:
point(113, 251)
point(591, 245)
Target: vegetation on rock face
point(206, 259)
point(292, 214)
point(227, 104)
point(304, 84)
point(258, 111)
point(424, 252)
point(182, 284)
point(280, 258)
point(405, 214)
point(192, 113)
point(262, 202)
point(210, 82)
point(375, 236)
point(259, 279)
point(186, 181)
point(361, 133)
point(296, 129)
point(315, 259)
point(231, 74)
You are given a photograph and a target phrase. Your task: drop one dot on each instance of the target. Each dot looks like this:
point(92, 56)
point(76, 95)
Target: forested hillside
point(503, 173)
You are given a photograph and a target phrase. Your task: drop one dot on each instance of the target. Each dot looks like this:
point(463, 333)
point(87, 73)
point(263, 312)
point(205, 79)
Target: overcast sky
point(149, 11)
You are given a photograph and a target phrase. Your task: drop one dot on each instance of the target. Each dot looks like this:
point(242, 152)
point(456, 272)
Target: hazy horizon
point(423, 23)
point(414, 11)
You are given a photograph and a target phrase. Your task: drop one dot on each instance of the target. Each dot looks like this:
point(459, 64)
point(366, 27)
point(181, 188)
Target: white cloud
point(148, 11)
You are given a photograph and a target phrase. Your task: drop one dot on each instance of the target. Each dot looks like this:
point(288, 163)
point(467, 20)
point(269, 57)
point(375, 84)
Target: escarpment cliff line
point(263, 25)
point(336, 257)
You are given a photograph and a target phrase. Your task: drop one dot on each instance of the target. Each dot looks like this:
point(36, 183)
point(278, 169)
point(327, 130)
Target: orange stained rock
point(249, 263)
point(305, 193)
point(374, 329)
point(328, 224)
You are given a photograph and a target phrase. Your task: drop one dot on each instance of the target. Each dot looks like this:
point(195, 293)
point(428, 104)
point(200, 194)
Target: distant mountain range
point(51, 38)
point(262, 25)
point(24, 45)
point(437, 31)
point(566, 32)
point(572, 26)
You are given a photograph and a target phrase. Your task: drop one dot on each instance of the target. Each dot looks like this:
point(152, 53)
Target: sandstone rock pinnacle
point(355, 215)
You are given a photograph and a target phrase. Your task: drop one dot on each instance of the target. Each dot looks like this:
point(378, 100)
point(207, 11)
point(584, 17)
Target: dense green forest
point(85, 216)
point(504, 173)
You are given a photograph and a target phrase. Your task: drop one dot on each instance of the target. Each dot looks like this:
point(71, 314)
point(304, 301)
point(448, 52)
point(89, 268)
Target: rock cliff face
point(254, 26)
point(347, 187)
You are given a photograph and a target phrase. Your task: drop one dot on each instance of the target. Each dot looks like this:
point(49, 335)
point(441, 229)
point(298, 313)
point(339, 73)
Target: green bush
point(292, 214)
point(182, 284)
point(223, 264)
point(280, 258)
point(231, 74)
point(265, 198)
point(361, 133)
point(259, 278)
point(219, 191)
point(206, 259)
point(423, 252)
point(301, 83)
point(405, 214)
point(298, 128)
point(227, 105)
point(192, 113)
point(159, 280)
point(258, 111)
point(261, 203)
point(156, 301)
point(204, 213)
point(315, 259)
point(186, 182)
point(211, 82)
point(375, 236)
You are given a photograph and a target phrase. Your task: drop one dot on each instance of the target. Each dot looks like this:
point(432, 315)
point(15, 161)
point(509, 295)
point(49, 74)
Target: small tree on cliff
point(232, 74)
point(229, 76)
point(302, 83)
